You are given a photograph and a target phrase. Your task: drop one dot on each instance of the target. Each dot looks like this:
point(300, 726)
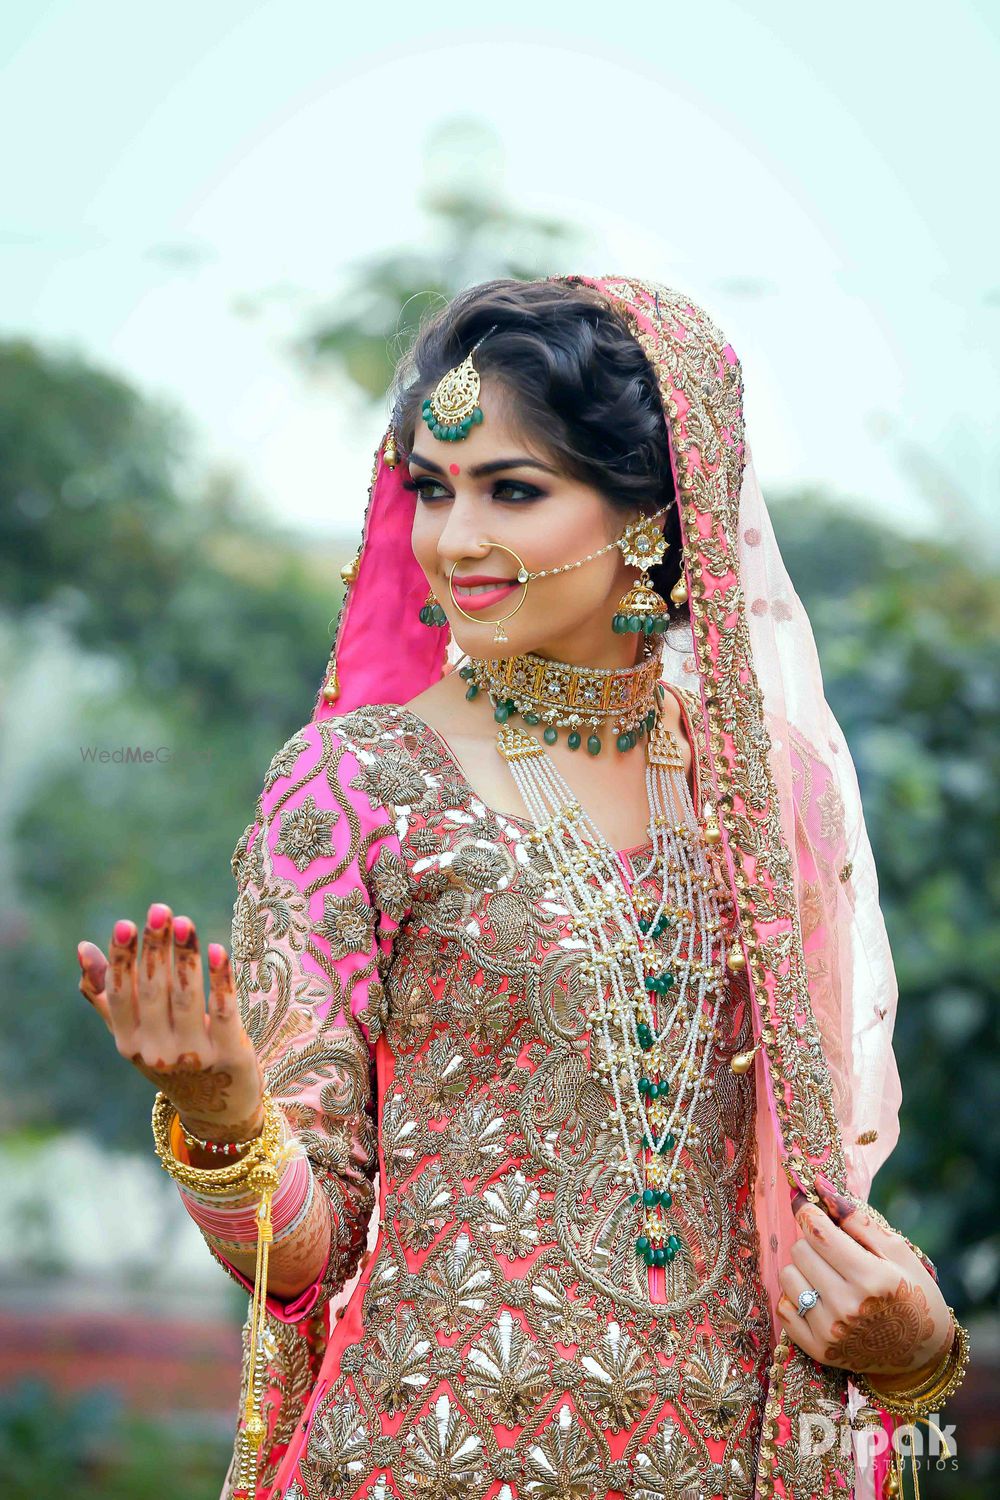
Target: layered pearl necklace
point(657, 968)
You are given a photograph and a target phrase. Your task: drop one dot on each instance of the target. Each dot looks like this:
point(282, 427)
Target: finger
point(796, 1326)
point(94, 966)
point(846, 1255)
point(793, 1281)
point(119, 982)
point(855, 1220)
point(187, 995)
point(154, 980)
point(871, 1229)
point(818, 1272)
point(223, 1011)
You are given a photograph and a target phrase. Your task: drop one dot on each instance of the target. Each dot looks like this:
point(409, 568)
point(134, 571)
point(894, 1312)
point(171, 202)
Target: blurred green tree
point(474, 234)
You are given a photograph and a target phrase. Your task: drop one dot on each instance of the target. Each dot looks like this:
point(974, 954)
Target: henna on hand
point(196, 1094)
point(884, 1334)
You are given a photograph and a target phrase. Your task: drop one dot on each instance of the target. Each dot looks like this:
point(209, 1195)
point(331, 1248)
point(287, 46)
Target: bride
point(559, 918)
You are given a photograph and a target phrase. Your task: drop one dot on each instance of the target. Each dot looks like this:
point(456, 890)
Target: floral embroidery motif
point(305, 834)
point(506, 1375)
point(565, 1464)
point(346, 923)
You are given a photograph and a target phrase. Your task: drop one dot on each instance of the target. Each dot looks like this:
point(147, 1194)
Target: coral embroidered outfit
point(505, 1332)
point(411, 987)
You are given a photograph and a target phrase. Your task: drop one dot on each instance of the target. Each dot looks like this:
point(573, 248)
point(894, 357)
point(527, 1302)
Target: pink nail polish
point(182, 929)
point(216, 955)
point(157, 916)
point(123, 933)
point(837, 1206)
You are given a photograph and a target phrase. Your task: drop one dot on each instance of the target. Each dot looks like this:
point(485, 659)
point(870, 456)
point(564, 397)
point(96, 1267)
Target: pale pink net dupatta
point(852, 982)
point(796, 849)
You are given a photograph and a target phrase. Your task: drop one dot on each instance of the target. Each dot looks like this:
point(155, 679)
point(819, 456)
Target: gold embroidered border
point(686, 354)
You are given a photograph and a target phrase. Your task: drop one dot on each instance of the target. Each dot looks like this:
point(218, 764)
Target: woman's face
point(493, 490)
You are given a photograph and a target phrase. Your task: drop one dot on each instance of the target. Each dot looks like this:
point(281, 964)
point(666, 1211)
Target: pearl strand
point(689, 878)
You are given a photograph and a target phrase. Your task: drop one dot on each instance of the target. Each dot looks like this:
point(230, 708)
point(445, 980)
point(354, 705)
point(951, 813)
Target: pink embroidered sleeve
point(321, 890)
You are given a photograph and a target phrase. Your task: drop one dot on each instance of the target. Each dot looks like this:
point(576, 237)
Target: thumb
point(853, 1218)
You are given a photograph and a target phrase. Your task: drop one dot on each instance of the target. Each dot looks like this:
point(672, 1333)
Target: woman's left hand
point(880, 1311)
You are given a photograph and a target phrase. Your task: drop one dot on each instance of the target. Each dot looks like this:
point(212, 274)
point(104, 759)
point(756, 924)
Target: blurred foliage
point(91, 1447)
point(906, 631)
point(475, 234)
point(211, 626)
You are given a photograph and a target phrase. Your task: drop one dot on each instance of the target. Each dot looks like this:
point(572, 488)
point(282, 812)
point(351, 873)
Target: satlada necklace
point(657, 968)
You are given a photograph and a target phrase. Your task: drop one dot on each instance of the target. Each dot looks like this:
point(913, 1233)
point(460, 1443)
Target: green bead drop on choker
point(608, 704)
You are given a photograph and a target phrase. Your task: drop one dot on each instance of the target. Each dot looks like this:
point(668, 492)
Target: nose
point(461, 537)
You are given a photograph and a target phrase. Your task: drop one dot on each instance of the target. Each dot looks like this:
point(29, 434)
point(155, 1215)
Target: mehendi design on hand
point(233, 1130)
point(884, 1333)
point(198, 1095)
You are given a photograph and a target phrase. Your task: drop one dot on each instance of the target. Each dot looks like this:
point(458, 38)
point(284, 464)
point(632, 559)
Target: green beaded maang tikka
point(453, 409)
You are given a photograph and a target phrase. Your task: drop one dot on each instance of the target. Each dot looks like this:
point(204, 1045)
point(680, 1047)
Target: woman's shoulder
point(326, 776)
point(370, 725)
point(334, 749)
point(380, 750)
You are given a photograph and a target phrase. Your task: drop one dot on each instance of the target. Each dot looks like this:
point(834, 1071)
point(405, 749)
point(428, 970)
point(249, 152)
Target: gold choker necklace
point(620, 700)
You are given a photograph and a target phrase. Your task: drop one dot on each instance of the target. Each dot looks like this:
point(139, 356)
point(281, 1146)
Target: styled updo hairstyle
point(579, 386)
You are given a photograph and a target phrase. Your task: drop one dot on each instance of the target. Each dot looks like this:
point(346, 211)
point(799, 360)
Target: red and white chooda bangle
point(236, 1224)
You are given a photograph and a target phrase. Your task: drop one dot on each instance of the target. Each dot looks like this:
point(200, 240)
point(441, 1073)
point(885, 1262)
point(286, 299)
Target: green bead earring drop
point(431, 612)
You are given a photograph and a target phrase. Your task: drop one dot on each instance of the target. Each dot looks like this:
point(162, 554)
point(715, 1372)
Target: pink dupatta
point(796, 850)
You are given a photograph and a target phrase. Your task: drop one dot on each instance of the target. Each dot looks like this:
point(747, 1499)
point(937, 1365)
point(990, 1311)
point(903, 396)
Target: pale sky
point(821, 179)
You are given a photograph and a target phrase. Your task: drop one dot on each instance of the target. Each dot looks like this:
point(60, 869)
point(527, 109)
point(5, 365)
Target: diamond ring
point(807, 1300)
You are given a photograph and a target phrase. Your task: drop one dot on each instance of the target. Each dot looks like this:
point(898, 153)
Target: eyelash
point(505, 484)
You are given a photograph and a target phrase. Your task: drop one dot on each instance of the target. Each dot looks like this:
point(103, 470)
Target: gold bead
point(331, 688)
point(742, 1062)
point(736, 961)
point(255, 1431)
point(679, 592)
point(349, 571)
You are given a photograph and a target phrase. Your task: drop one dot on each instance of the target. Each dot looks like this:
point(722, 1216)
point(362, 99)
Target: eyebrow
point(479, 471)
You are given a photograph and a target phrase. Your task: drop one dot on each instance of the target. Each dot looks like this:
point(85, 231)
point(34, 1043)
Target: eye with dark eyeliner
point(530, 492)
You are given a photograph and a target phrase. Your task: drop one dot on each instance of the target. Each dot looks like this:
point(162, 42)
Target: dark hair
point(579, 386)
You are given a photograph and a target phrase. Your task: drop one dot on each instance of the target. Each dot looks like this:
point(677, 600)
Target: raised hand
point(154, 1006)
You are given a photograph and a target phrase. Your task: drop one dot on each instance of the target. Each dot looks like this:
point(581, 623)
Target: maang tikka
point(453, 409)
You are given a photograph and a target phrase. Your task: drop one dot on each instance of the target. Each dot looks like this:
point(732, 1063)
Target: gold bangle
point(930, 1393)
point(259, 1171)
point(895, 1385)
point(216, 1147)
point(254, 1168)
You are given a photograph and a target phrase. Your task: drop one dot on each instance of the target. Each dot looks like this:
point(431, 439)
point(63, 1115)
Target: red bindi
point(454, 469)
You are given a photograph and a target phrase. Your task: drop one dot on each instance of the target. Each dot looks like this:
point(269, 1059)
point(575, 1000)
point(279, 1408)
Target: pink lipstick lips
point(488, 597)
